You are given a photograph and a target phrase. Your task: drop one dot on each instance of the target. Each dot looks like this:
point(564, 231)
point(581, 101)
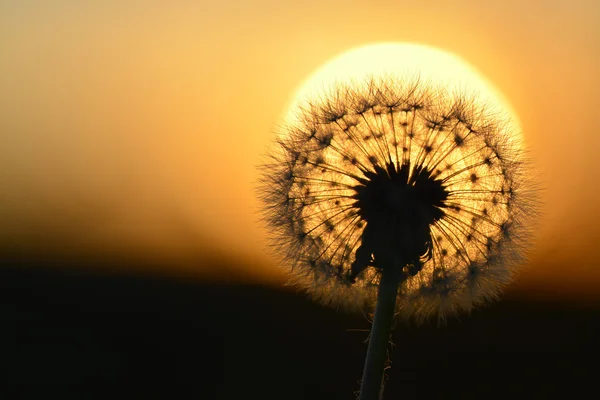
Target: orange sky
point(134, 127)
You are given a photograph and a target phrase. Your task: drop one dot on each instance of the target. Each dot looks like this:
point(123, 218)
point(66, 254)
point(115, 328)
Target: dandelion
point(398, 195)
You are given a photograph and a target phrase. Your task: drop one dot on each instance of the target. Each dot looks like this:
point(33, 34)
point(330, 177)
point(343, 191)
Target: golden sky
point(134, 128)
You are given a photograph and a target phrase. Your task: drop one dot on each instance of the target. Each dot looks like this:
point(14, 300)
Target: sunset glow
point(133, 130)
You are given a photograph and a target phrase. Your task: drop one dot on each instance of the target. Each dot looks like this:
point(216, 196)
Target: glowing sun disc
point(405, 60)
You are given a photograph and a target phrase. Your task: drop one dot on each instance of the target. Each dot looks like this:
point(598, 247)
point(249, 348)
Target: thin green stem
point(372, 381)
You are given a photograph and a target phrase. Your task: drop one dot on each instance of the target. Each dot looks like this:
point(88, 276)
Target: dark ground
point(68, 332)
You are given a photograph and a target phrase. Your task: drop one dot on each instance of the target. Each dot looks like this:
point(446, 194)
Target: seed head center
point(399, 205)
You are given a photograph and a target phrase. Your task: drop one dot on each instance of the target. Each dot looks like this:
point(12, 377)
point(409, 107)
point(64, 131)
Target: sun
point(399, 175)
point(406, 60)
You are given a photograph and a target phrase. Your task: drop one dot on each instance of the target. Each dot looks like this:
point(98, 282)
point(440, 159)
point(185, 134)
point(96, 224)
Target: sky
point(133, 129)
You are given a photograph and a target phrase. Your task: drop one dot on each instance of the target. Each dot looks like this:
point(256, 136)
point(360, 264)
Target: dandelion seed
point(408, 185)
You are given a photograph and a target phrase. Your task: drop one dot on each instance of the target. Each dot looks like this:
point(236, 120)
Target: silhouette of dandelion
point(398, 185)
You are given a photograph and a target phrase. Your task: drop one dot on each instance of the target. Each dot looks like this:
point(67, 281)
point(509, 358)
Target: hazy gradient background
point(130, 130)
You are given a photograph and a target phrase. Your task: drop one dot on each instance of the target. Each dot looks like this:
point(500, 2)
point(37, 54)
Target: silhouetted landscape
point(78, 331)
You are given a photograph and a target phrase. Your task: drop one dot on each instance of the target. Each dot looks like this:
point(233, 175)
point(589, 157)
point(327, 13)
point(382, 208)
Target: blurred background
point(130, 239)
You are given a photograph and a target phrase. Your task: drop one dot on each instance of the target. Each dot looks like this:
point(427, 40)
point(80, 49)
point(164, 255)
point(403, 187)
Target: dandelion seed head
point(398, 173)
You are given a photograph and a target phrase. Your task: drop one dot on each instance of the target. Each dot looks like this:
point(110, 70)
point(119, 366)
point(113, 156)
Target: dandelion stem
point(372, 379)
